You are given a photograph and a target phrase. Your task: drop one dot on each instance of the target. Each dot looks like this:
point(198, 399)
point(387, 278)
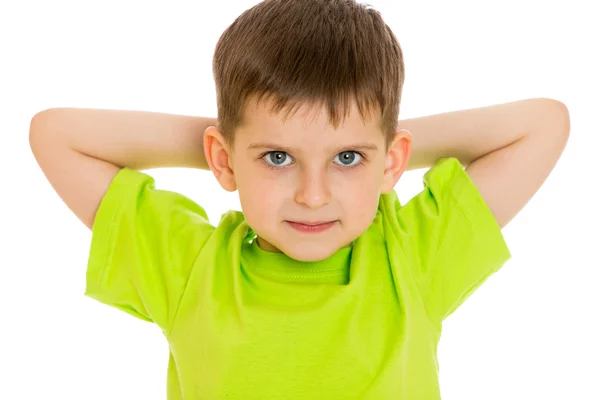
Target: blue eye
point(276, 159)
point(350, 156)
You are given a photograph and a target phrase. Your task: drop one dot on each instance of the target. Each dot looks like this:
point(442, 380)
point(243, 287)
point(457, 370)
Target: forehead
point(307, 123)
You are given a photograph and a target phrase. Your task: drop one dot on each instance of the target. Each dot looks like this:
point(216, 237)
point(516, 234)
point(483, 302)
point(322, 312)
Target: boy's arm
point(81, 150)
point(509, 149)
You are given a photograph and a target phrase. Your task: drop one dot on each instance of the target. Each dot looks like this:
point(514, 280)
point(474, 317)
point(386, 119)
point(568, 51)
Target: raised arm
point(81, 150)
point(509, 149)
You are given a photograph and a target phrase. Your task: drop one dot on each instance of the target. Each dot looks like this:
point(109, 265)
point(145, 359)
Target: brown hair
point(310, 52)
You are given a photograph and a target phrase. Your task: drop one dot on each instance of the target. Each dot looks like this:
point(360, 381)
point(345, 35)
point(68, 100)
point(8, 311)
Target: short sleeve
point(144, 245)
point(456, 239)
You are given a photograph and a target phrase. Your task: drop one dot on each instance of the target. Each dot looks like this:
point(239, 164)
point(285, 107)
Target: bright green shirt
point(244, 323)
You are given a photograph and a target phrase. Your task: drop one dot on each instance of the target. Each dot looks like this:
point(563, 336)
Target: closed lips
point(311, 223)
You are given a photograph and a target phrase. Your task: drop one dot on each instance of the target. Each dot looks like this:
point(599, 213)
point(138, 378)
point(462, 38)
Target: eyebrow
point(356, 146)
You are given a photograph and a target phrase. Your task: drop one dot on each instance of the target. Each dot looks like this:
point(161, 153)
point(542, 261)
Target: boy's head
point(308, 96)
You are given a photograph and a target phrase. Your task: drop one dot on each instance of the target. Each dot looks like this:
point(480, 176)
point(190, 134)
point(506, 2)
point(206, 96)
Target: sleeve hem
point(102, 229)
point(469, 200)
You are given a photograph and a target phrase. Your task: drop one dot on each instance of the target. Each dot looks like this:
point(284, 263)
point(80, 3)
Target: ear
point(218, 158)
point(396, 160)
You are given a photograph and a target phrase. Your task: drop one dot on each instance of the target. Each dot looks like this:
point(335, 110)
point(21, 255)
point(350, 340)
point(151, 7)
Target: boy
point(325, 286)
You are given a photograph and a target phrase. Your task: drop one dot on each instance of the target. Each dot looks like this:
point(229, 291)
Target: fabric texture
point(244, 323)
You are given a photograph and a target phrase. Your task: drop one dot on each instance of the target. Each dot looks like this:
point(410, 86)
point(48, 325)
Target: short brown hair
point(311, 52)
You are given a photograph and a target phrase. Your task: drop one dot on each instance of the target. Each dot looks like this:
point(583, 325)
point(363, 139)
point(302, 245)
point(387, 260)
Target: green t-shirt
point(244, 323)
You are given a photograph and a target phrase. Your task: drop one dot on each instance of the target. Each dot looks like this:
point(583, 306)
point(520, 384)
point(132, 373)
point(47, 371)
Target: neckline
point(283, 268)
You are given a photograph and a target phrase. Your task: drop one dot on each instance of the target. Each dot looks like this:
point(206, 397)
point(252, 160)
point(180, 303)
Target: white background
point(530, 332)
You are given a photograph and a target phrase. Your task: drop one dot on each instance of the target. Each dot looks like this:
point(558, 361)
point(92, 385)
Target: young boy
point(325, 286)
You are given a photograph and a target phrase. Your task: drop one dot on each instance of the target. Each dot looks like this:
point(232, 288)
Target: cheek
point(362, 203)
point(361, 207)
point(363, 190)
point(260, 197)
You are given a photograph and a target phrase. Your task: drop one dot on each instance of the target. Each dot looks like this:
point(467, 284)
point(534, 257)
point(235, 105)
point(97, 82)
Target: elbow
point(552, 118)
point(41, 126)
point(559, 113)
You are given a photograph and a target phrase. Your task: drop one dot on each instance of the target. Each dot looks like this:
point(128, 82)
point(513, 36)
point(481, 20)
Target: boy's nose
point(313, 190)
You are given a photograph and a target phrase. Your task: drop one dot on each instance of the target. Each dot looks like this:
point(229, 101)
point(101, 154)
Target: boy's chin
point(305, 252)
point(314, 256)
point(266, 246)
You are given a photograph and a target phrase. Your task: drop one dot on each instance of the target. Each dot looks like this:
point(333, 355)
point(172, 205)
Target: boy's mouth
point(311, 223)
point(311, 226)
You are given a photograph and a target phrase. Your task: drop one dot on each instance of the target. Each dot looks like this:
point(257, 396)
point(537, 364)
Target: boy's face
point(304, 170)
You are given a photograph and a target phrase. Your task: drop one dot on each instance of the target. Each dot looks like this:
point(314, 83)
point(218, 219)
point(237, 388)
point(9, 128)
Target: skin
point(312, 182)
